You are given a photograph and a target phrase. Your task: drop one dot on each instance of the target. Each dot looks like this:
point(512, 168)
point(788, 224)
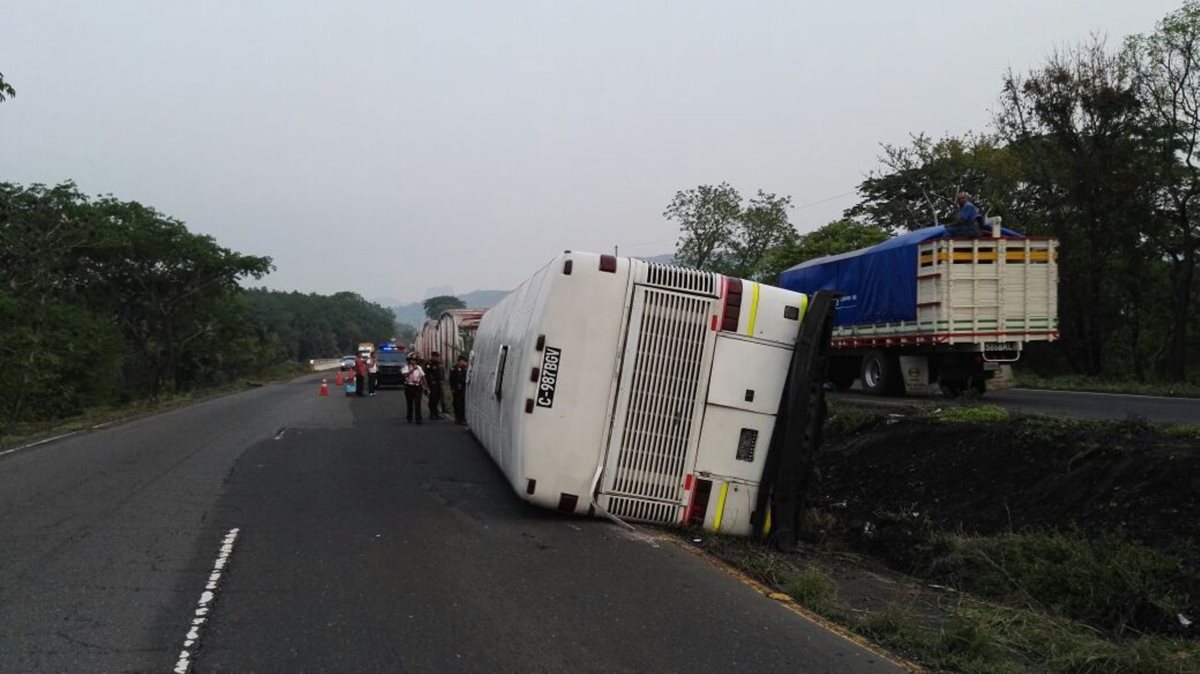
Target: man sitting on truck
point(968, 220)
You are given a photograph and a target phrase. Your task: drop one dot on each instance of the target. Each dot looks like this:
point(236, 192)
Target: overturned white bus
point(645, 391)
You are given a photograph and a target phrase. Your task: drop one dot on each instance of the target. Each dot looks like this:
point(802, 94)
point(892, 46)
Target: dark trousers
point(412, 397)
point(360, 383)
point(460, 406)
point(435, 401)
point(969, 230)
point(374, 384)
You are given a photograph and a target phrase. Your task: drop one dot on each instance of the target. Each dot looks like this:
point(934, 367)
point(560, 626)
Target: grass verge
point(1111, 584)
point(984, 414)
point(1100, 385)
point(949, 630)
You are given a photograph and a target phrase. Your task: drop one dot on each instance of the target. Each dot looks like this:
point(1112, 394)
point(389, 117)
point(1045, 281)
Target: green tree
point(916, 184)
point(761, 227)
point(6, 90)
point(43, 349)
point(1076, 125)
point(167, 287)
point(303, 326)
point(707, 218)
point(434, 306)
point(405, 333)
point(1166, 72)
point(66, 259)
point(839, 236)
point(718, 233)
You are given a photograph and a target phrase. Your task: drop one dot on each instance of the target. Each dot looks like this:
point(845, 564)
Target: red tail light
point(699, 506)
point(608, 263)
point(733, 304)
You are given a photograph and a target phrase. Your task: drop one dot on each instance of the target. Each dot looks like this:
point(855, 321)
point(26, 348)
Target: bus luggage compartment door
point(656, 419)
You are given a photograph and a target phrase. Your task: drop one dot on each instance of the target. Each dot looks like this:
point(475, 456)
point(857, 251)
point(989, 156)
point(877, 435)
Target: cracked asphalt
point(365, 545)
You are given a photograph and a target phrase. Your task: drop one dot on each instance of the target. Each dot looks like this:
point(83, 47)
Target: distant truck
point(365, 349)
point(924, 312)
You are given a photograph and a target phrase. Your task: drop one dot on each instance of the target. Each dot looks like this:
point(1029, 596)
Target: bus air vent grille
point(680, 278)
point(663, 393)
point(640, 510)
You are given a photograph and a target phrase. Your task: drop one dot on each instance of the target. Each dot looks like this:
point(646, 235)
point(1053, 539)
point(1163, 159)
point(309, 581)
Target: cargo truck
point(924, 312)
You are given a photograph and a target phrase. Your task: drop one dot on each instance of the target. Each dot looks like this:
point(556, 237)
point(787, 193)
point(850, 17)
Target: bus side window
point(500, 370)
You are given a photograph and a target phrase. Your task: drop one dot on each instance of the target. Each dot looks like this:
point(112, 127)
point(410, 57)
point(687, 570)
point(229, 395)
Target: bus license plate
point(549, 378)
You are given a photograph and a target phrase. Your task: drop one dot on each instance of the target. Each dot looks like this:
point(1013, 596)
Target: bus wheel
point(879, 376)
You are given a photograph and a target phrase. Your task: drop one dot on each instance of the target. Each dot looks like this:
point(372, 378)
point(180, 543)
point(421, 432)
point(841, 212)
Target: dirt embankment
point(1024, 474)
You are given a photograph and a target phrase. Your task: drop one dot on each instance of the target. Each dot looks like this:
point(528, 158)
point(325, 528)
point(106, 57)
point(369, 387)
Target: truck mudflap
point(799, 425)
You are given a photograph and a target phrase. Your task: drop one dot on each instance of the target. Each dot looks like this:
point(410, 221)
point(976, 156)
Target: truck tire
point(880, 373)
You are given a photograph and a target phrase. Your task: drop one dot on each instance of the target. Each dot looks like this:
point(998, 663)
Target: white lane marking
point(39, 442)
point(205, 604)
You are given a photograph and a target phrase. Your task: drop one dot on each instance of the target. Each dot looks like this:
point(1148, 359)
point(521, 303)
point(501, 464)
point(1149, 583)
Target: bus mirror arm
point(799, 426)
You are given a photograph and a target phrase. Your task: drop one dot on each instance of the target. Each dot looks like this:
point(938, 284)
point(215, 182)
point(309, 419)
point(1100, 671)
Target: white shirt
point(413, 375)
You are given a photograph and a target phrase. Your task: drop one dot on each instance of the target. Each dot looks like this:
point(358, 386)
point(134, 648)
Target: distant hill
point(666, 258)
point(483, 299)
point(413, 313)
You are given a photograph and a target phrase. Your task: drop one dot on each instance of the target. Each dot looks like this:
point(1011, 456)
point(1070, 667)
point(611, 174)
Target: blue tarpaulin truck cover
point(878, 284)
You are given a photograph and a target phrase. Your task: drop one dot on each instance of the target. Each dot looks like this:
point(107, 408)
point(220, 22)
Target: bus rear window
point(500, 362)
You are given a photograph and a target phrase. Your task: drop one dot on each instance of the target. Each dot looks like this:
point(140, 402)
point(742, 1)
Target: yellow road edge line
point(753, 310)
point(720, 507)
point(790, 604)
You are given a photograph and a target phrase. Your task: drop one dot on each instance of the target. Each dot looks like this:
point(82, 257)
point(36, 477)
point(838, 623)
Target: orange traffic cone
point(339, 381)
point(324, 388)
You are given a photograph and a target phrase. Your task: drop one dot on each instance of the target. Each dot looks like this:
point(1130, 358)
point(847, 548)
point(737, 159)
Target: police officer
point(435, 375)
point(458, 389)
point(414, 384)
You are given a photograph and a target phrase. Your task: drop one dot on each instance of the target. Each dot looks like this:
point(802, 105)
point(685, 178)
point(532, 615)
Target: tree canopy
point(6, 89)
point(721, 232)
point(1098, 146)
point(434, 306)
point(129, 298)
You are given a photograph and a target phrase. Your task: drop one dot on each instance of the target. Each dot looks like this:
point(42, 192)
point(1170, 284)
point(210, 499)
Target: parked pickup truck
point(924, 311)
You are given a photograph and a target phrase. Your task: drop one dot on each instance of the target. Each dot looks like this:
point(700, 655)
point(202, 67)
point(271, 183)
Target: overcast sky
point(387, 147)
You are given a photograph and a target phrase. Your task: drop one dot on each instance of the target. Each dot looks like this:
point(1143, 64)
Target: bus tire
point(880, 373)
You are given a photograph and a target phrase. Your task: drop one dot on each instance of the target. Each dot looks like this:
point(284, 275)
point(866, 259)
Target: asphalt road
point(1075, 404)
point(281, 532)
point(1098, 405)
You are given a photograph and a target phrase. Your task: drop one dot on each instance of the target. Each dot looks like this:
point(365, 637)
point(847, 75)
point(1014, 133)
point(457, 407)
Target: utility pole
point(615, 253)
